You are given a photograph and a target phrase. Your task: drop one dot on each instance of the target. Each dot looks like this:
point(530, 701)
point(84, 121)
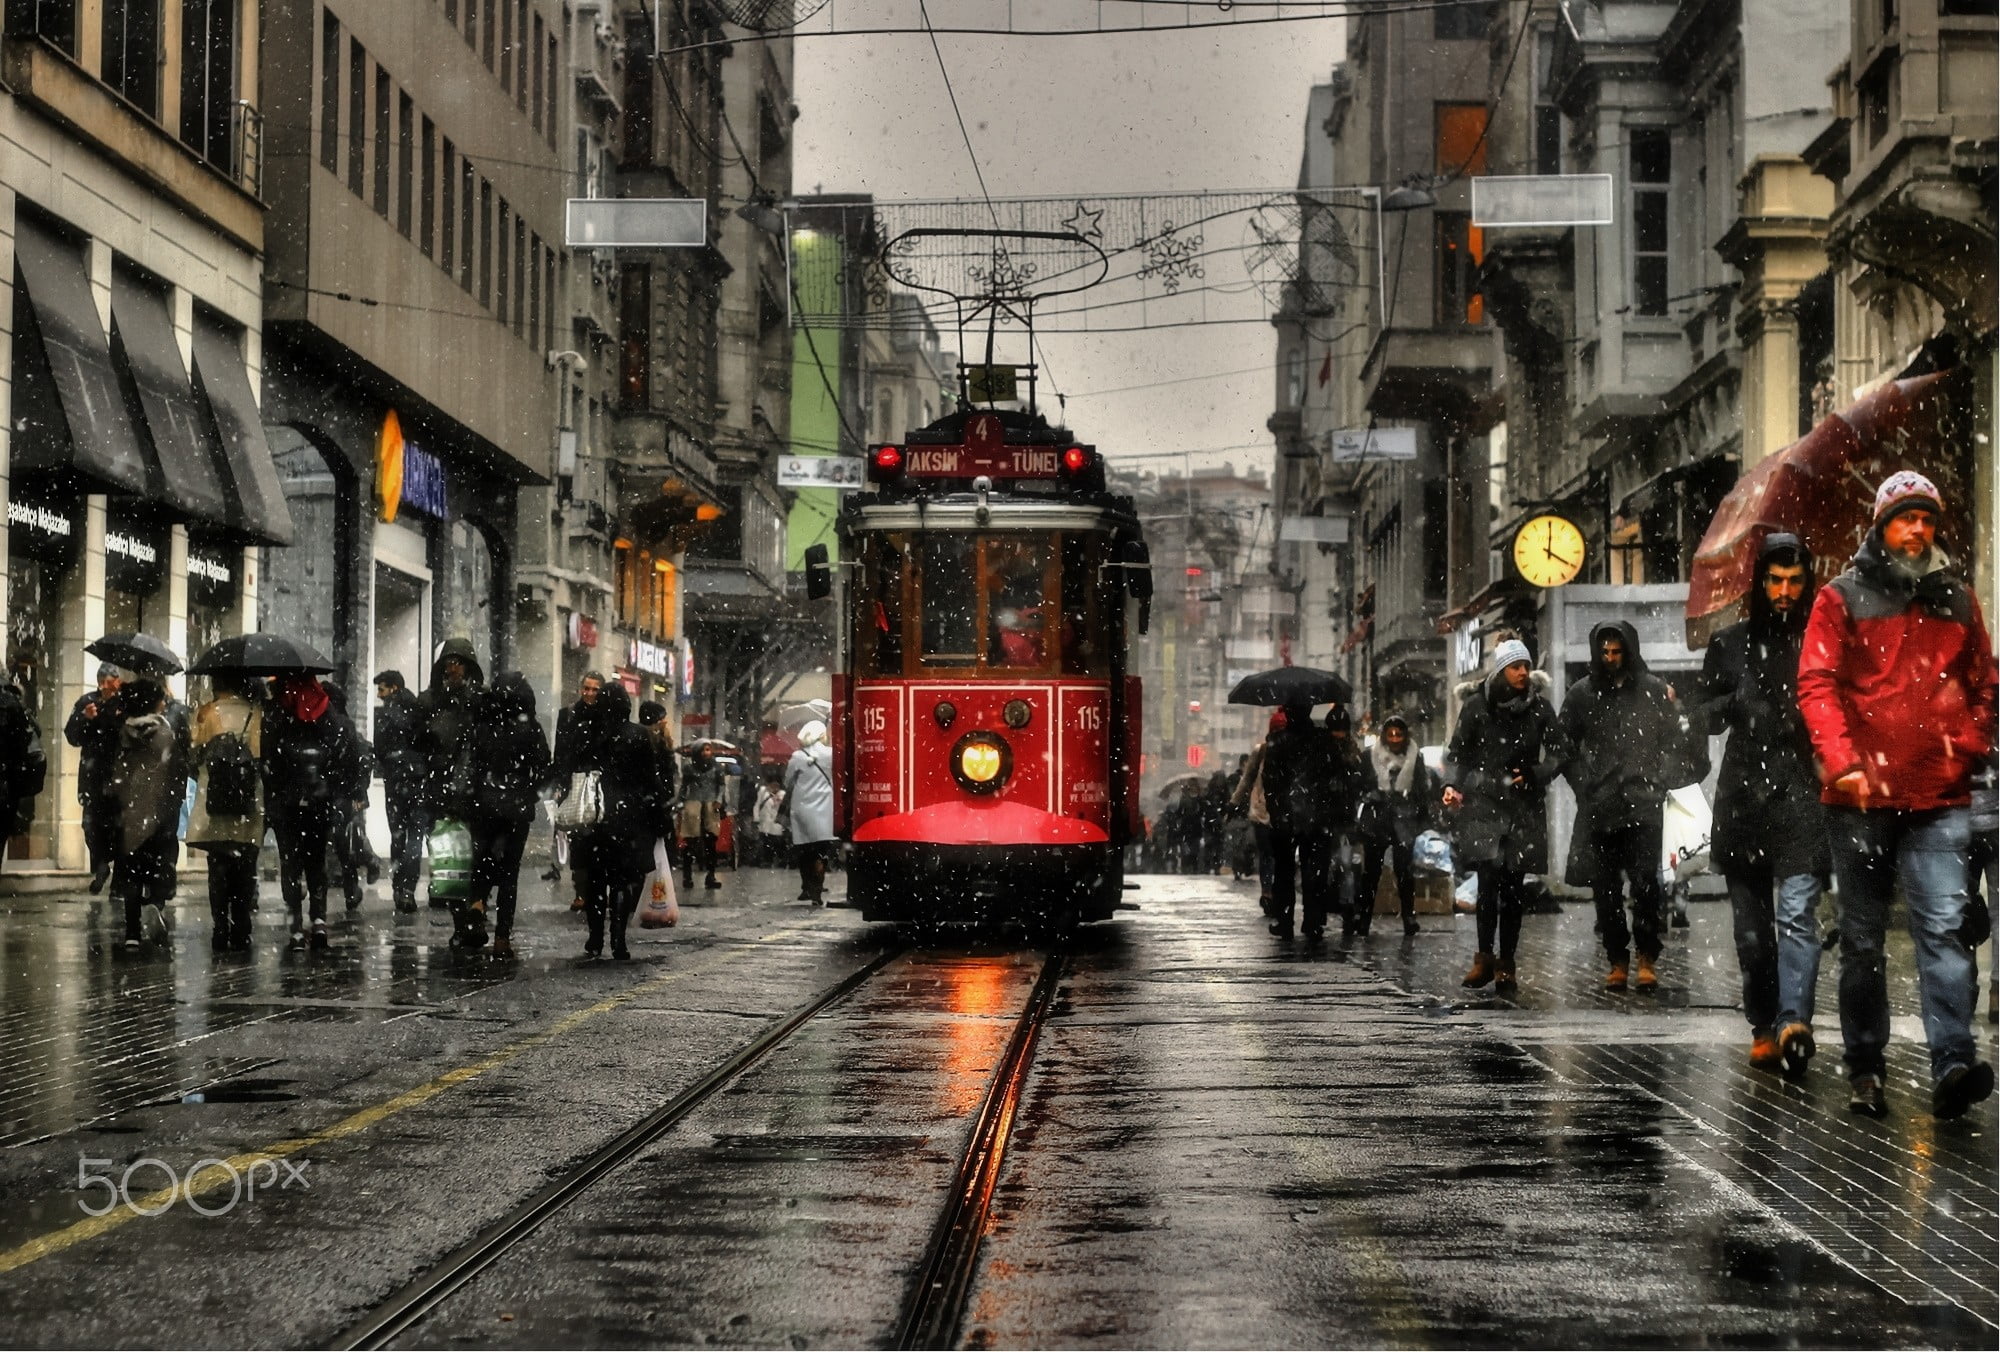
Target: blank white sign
point(637, 223)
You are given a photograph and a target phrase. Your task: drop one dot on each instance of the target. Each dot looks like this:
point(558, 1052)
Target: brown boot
point(1764, 1054)
point(1503, 976)
point(1647, 979)
point(1483, 970)
point(1795, 1049)
point(1614, 980)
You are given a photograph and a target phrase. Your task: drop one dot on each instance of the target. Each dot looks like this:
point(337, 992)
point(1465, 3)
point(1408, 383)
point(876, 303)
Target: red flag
point(1326, 368)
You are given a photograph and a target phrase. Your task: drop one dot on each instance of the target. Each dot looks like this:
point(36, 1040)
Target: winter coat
point(1311, 782)
point(1388, 816)
point(809, 783)
point(1767, 809)
point(307, 763)
point(446, 720)
point(24, 766)
point(397, 761)
point(1896, 679)
point(769, 813)
point(619, 849)
point(1250, 788)
point(143, 784)
point(1627, 749)
point(1500, 733)
point(701, 781)
point(511, 762)
point(96, 740)
point(225, 713)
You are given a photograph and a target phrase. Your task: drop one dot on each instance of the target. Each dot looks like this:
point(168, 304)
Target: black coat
point(619, 849)
point(307, 764)
point(1628, 745)
point(1767, 808)
point(1500, 733)
point(511, 763)
point(396, 758)
point(1388, 817)
point(96, 741)
point(1311, 782)
point(447, 717)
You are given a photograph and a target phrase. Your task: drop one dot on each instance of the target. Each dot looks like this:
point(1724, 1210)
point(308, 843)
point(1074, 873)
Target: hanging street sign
point(1541, 199)
point(636, 223)
point(1325, 530)
point(1373, 443)
point(821, 471)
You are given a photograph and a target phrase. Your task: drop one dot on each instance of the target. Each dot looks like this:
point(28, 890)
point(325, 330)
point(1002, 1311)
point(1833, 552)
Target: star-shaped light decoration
point(1083, 223)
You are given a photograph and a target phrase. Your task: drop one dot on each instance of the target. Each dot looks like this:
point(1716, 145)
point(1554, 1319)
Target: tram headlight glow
point(981, 762)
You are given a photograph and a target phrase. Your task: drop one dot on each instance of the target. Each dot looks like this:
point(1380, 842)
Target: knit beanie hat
point(1510, 652)
point(1903, 491)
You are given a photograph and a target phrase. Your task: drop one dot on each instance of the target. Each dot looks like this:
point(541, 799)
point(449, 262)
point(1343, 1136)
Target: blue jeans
point(1777, 946)
point(1927, 852)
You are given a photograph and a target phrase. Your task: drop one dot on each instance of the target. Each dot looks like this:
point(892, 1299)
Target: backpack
point(232, 777)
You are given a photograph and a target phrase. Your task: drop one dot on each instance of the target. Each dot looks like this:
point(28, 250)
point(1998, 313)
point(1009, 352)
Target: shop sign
point(134, 556)
point(406, 475)
point(46, 531)
point(687, 669)
point(582, 631)
point(650, 658)
point(211, 573)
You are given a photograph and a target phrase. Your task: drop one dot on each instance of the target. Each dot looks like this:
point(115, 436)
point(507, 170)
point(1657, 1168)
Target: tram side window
point(878, 619)
point(950, 600)
point(1017, 628)
point(1085, 647)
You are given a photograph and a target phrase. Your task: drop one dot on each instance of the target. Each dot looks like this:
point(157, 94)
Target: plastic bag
point(1686, 821)
point(450, 848)
point(583, 805)
point(1432, 851)
point(659, 907)
point(1465, 897)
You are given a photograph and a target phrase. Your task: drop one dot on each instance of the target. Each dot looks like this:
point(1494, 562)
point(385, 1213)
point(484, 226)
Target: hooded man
point(1897, 686)
point(1770, 834)
point(401, 770)
point(144, 789)
point(1626, 742)
point(1507, 749)
point(441, 736)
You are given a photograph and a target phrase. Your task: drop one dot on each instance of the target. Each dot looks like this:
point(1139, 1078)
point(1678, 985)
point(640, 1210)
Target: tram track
point(939, 1290)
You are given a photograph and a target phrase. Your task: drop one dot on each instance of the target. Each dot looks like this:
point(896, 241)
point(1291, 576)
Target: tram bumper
point(983, 863)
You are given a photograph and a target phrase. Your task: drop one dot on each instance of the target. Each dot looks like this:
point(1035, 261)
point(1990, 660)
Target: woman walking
point(617, 852)
point(510, 765)
point(308, 751)
point(1396, 808)
point(700, 815)
point(809, 789)
point(228, 820)
point(1506, 751)
point(145, 793)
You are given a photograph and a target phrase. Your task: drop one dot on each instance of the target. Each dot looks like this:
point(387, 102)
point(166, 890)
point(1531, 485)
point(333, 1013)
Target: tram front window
point(1016, 575)
point(951, 600)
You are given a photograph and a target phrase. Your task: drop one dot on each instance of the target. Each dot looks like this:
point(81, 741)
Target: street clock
point(1548, 550)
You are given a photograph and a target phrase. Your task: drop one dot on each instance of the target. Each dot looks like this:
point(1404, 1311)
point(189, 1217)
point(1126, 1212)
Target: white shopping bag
point(1686, 822)
point(659, 907)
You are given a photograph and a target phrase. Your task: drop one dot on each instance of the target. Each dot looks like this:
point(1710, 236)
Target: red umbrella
point(776, 746)
point(1822, 489)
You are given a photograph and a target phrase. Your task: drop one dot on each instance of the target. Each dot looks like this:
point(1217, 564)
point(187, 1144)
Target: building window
point(427, 212)
point(638, 130)
point(329, 93)
point(635, 332)
point(549, 299)
point(54, 21)
point(534, 266)
point(555, 84)
point(501, 293)
point(1462, 20)
point(1460, 138)
point(1651, 175)
point(486, 244)
point(534, 57)
point(524, 273)
point(507, 45)
point(451, 12)
point(448, 231)
point(1547, 129)
point(1874, 96)
point(406, 161)
point(208, 78)
point(1460, 247)
point(357, 116)
point(1436, 537)
point(381, 141)
point(468, 204)
point(472, 24)
point(487, 32)
point(522, 53)
point(132, 52)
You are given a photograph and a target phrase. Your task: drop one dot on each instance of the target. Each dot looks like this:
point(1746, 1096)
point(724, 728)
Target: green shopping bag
point(450, 849)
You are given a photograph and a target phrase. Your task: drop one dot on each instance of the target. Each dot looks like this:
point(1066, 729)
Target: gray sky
point(1172, 111)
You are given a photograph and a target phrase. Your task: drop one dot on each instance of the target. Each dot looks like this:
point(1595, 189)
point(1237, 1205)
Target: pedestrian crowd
point(1860, 718)
point(465, 769)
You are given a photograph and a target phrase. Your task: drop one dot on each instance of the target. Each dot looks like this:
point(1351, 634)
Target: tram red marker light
point(1076, 460)
point(888, 462)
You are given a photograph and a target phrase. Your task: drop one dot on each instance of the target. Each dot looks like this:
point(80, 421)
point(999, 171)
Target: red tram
point(986, 733)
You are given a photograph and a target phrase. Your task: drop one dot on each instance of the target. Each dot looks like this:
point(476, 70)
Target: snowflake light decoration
point(1172, 258)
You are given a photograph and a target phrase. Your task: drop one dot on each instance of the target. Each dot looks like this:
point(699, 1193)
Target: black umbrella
point(1283, 687)
point(259, 655)
point(141, 653)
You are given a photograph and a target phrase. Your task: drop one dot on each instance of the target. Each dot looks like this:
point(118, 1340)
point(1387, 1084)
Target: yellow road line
point(229, 1172)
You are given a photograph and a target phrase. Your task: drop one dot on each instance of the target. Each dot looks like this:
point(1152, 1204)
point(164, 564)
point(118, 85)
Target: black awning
point(70, 418)
point(183, 473)
point(224, 385)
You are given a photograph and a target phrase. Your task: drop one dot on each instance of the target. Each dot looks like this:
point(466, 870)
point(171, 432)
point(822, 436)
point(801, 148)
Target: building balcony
point(1428, 375)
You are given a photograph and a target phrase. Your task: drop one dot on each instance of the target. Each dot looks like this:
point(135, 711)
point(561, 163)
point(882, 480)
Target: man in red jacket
point(1896, 683)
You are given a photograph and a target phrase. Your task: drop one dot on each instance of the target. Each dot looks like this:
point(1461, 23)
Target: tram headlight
point(981, 762)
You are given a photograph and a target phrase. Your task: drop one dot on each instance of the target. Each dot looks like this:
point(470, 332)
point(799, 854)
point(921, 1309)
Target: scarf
point(1394, 772)
point(303, 697)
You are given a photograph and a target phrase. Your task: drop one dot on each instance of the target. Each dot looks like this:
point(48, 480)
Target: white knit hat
point(1510, 652)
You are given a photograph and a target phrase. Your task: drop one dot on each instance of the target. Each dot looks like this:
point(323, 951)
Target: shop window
point(329, 93)
point(1651, 175)
point(208, 78)
point(1460, 138)
point(1460, 247)
point(131, 58)
point(635, 326)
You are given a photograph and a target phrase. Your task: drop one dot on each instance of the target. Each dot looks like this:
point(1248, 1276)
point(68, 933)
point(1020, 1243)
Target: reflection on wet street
point(1226, 1140)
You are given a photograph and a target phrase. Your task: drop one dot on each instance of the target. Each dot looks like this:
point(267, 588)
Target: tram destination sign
point(994, 461)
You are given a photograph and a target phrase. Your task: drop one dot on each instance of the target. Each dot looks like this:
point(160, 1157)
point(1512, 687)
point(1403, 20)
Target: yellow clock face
point(1548, 551)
